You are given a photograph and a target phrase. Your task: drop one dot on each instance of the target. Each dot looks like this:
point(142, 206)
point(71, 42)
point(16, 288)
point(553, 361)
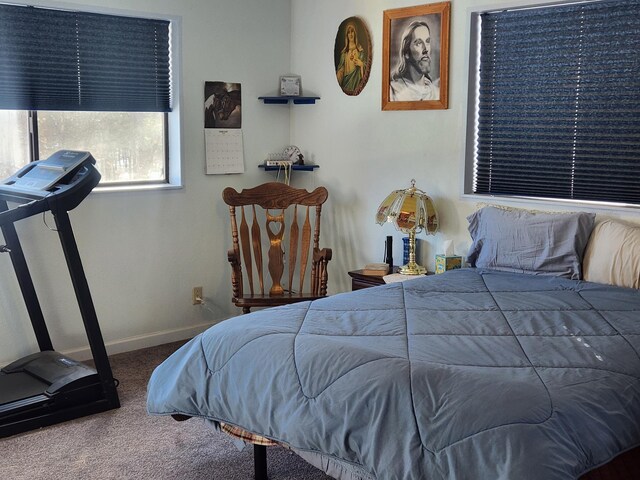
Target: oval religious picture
point(352, 55)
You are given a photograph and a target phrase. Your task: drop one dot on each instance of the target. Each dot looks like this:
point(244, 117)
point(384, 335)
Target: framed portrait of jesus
point(415, 57)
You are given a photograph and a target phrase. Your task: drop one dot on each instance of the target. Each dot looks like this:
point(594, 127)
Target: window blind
point(559, 102)
point(78, 61)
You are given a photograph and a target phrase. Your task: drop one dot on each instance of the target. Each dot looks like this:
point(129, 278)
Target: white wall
point(365, 152)
point(143, 252)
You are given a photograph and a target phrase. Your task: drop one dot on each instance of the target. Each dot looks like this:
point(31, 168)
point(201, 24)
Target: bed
point(515, 368)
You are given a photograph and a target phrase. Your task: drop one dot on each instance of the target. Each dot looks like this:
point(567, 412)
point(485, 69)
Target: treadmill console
point(44, 174)
point(58, 183)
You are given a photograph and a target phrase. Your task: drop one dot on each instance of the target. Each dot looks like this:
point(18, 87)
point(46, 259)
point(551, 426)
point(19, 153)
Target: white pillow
point(612, 255)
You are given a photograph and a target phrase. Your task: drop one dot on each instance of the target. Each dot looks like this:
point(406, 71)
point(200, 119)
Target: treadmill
point(47, 387)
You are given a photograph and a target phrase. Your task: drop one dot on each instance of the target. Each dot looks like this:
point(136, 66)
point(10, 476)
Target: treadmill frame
point(103, 395)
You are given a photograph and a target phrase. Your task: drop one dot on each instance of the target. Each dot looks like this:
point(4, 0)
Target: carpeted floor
point(129, 444)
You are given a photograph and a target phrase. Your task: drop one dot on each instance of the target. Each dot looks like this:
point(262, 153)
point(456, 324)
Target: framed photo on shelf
point(290, 86)
point(415, 57)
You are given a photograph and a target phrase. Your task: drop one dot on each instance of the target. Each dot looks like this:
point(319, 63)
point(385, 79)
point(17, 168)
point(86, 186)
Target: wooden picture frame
point(290, 85)
point(352, 55)
point(416, 78)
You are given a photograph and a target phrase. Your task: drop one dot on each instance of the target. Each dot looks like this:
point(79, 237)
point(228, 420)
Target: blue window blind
point(559, 102)
point(78, 61)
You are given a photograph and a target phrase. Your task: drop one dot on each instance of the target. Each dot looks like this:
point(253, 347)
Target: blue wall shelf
point(304, 168)
point(285, 99)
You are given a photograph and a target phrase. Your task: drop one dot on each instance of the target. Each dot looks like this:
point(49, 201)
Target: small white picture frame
point(290, 85)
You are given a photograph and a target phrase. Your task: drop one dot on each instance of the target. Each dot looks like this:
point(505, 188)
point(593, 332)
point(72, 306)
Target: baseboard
point(141, 341)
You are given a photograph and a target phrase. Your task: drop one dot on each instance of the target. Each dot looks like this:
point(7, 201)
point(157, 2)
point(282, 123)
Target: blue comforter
point(467, 375)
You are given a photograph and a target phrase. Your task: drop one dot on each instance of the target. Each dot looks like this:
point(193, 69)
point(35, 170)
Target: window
point(554, 109)
point(86, 81)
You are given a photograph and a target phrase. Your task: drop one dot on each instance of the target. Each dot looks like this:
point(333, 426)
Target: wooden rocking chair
point(283, 222)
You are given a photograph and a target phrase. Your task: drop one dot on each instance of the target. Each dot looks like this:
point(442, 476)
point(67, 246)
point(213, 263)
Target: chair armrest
point(236, 273)
point(319, 273)
point(232, 256)
point(323, 254)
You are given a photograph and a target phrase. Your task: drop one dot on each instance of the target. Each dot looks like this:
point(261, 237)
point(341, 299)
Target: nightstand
point(360, 280)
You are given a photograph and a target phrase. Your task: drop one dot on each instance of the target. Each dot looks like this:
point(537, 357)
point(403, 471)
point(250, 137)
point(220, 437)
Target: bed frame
point(624, 467)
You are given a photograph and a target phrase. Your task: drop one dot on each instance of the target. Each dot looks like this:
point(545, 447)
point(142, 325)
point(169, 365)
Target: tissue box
point(447, 262)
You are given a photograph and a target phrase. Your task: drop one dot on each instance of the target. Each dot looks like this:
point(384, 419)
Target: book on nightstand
point(376, 269)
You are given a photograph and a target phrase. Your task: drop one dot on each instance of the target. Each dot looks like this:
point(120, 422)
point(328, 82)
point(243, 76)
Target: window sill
point(136, 188)
point(547, 203)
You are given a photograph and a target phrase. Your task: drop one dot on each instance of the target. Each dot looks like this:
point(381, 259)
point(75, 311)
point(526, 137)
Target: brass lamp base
point(412, 269)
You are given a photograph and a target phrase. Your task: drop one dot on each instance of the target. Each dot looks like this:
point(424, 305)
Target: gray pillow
point(516, 240)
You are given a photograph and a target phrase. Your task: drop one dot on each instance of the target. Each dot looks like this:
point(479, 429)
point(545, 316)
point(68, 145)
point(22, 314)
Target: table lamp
point(411, 211)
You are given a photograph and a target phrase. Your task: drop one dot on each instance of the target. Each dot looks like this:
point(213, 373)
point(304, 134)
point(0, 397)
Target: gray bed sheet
point(471, 374)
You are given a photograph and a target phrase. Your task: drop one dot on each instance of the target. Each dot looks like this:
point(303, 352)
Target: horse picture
point(222, 105)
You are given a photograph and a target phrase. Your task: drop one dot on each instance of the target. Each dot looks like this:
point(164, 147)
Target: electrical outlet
point(196, 296)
